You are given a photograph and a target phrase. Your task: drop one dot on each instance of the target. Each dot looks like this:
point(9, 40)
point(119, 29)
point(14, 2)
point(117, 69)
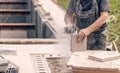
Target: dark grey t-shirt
point(103, 6)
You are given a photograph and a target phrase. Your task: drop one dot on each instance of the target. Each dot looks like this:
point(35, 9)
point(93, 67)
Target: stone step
point(16, 26)
point(14, 11)
point(13, 2)
point(27, 41)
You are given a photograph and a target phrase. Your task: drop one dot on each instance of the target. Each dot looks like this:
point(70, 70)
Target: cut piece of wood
point(108, 56)
point(78, 46)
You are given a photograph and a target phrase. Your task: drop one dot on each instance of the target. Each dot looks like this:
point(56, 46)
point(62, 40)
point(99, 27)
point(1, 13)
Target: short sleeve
point(104, 6)
point(71, 7)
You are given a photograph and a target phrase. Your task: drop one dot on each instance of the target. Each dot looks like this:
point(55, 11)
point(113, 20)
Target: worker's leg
point(96, 41)
point(100, 41)
point(90, 41)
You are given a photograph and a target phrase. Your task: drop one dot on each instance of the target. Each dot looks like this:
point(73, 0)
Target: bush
point(63, 3)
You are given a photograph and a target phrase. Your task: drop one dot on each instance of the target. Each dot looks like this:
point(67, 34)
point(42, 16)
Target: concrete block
point(3, 65)
point(78, 46)
point(80, 63)
point(103, 57)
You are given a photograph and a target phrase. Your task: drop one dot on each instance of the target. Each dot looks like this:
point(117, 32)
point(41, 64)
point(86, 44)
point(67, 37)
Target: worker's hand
point(70, 29)
point(82, 34)
point(67, 28)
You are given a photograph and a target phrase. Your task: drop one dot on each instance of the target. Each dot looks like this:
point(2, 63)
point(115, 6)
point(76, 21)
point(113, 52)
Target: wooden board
point(78, 46)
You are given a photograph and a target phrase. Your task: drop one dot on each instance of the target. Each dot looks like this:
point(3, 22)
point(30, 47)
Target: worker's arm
point(69, 19)
point(70, 16)
point(96, 25)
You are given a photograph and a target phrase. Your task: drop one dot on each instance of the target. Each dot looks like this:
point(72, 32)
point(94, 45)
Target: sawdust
point(58, 65)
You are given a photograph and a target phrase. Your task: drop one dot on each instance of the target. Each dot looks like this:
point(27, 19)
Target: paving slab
point(80, 62)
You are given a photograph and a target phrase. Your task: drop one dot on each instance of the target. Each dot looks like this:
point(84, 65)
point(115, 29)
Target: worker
point(90, 17)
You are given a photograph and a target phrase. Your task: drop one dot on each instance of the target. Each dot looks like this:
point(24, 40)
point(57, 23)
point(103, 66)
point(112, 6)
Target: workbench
point(80, 63)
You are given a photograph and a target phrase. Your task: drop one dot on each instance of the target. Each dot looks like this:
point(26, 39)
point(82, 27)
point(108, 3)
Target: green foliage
point(63, 3)
point(112, 26)
point(110, 37)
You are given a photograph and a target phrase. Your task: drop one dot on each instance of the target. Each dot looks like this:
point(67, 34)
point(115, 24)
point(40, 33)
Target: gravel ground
point(58, 65)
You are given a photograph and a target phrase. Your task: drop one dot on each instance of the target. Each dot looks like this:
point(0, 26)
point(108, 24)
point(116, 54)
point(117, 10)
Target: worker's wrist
point(69, 24)
point(87, 31)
